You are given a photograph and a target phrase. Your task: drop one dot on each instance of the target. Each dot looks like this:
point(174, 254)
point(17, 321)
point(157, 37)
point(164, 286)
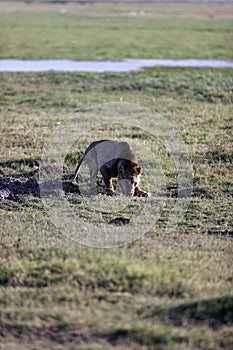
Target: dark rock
point(120, 221)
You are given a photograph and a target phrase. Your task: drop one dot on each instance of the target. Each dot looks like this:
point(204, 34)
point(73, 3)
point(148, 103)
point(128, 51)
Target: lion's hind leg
point(93, 168)
point(93, 174)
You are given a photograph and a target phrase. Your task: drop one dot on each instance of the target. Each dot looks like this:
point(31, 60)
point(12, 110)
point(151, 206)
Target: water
point(126, 65)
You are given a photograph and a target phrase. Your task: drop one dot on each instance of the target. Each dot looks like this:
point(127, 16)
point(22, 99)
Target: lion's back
point(111, 150)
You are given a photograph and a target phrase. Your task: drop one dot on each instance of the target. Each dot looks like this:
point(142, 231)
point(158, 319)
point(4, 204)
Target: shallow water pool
point(126, 65)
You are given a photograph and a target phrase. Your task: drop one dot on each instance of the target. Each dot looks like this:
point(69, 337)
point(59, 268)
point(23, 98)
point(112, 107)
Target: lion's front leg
point(107, 181)
point(140, 193)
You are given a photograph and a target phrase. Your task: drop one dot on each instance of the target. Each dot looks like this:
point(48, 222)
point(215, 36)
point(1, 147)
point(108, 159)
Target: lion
point(114, 160)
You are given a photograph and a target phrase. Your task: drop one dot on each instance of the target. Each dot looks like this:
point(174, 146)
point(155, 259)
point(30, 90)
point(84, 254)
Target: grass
point(163, 291)
point(40, 31)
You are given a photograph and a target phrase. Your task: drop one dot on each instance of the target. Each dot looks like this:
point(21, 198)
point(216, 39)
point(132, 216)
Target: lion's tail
point(78, 167)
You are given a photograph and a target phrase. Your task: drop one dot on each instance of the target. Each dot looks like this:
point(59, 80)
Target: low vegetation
point(115, 31)
point(166, 290)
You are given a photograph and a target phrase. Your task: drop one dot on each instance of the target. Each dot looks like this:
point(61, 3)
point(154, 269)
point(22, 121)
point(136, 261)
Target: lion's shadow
point(23, 183)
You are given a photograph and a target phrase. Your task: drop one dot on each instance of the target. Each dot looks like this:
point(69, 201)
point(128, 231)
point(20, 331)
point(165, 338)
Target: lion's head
point(128, 176)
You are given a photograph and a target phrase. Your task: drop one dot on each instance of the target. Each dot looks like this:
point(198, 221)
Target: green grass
point(109, 31)
point(163, 291)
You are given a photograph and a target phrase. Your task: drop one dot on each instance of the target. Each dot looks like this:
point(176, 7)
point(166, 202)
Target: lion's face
point(128, 179)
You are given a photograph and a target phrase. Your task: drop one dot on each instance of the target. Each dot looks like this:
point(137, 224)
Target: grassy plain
point(164, 291)
point(115, 31)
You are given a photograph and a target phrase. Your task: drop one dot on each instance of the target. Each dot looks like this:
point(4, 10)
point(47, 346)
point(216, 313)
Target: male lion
point(114, 160)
